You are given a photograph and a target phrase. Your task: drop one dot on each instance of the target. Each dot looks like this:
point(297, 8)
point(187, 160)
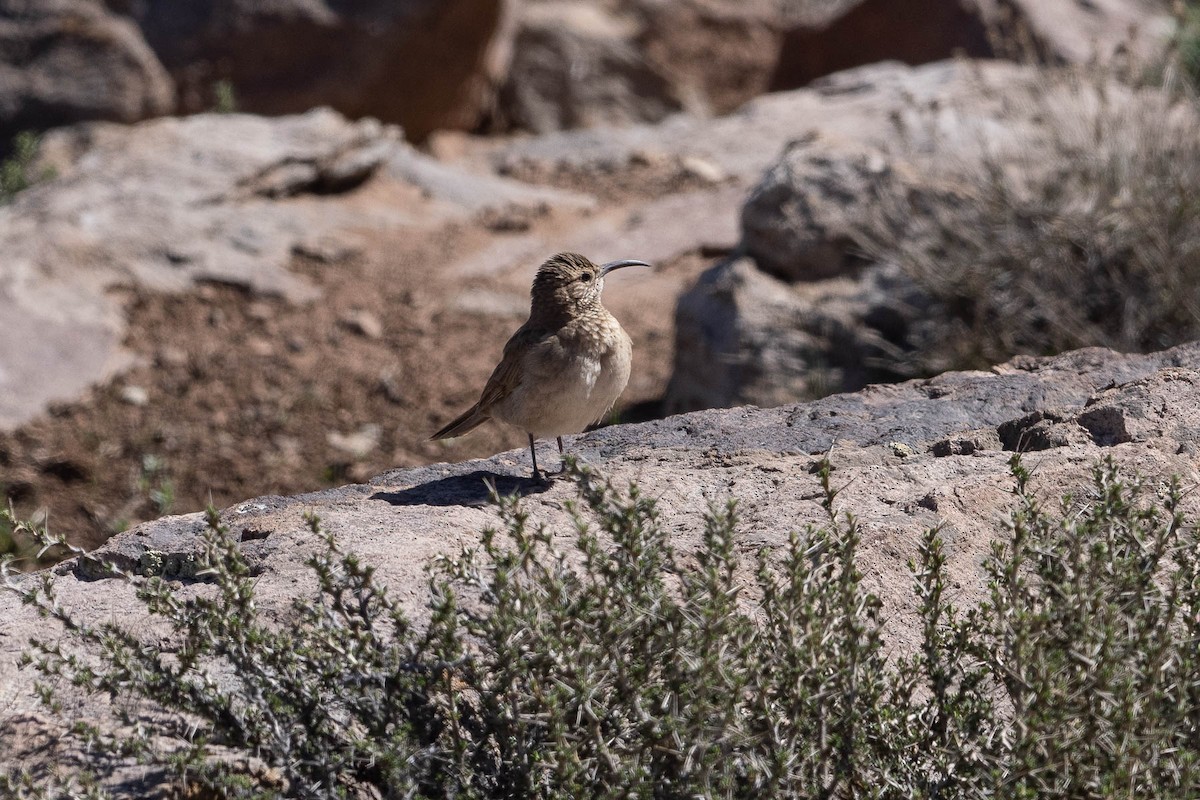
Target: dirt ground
point(236, 395)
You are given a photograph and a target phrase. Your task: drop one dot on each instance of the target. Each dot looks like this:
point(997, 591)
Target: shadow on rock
point(473, 489)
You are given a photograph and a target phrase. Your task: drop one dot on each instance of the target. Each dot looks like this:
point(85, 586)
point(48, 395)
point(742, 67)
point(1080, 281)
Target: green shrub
point(16, 170)
point(224, 97)
point(1188, 41)
point(619, 667)
point(26, 545)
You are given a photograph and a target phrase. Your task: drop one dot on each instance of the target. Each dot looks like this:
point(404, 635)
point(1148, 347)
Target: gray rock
point(65, 61)
point(744, 336)
point(854, 108)
point(1079, 32)
point(803, 220)
point(575, 66)
point(586, 64)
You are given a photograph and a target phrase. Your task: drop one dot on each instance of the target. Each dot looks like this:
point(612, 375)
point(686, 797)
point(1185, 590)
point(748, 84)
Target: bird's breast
point(573, 383)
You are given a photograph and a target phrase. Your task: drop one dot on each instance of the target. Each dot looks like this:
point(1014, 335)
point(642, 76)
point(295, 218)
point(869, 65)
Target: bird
point(564, 369)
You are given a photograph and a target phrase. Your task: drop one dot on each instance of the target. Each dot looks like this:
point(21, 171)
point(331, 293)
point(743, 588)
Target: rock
point(423, 64)
point(364, 323)
point(357, 443)
point(575, 65)
point(720, 54)
point(878, 440)
point(1076, 32)
point(584, 64)
point(135, 396)
point(855, 109)
point(824, 38)
point(65, 61)
point(811, 231)
point(327, 249)
point(743, 336)
point(478, 190)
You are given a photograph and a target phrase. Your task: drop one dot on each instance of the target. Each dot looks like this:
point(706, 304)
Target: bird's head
point(570, 282)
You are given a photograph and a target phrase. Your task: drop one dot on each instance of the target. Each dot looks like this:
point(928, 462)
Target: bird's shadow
point(472, 489)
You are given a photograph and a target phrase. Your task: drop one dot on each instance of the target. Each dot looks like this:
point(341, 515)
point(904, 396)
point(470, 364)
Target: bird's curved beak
point(610, 266)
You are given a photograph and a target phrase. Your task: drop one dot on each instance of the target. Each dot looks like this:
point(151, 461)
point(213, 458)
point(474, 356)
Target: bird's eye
point(586, 277)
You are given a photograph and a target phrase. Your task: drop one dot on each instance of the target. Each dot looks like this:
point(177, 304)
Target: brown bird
point(565, 367)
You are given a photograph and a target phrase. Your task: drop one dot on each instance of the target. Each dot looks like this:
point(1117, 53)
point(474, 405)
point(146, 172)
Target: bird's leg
point(560, 445)
point(537, 476)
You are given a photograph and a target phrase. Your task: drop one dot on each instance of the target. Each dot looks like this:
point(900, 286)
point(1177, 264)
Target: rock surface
point(423, 64)
point(575, 66)
point(744, 336)
point(65, 61)
point(1078, 32)
point(582, 63)
point(853, 107)
point(827, 37)
point(909, 456)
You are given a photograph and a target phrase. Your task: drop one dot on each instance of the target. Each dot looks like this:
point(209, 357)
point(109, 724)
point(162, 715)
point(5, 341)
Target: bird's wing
point(512, 367)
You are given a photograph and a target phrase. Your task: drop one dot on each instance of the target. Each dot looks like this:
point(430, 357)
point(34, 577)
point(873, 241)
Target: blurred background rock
point(267, 246)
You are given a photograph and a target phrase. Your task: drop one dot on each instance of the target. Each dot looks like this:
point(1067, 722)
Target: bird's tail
point(470, 419)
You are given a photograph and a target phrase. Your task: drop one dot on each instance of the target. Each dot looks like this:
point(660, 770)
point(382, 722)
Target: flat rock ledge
point(910, 456)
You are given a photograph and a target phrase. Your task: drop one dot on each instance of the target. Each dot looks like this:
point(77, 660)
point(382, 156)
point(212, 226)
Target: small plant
point(15, 171)
point(155, 483)
point(26, 544)
point(1187, 41)
point(224, 97)
point(619, 667)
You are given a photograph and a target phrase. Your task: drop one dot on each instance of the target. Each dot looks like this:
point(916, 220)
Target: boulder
point(803, 220)
point(575, 65)
point(423, 64)
point(65, 61)
point(580, 64)
point(906, 458)
point(718, 53)
point(743, 336)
